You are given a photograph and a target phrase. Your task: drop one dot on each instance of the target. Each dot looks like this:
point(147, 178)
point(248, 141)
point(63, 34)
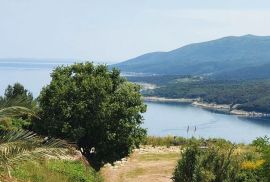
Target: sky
point(111, 31)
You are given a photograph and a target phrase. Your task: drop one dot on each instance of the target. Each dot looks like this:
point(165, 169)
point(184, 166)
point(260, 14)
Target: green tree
point(17, 90)
point(95, 108)
point(17, 95)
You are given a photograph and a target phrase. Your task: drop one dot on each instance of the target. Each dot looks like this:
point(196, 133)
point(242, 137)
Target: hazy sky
point(115, 30)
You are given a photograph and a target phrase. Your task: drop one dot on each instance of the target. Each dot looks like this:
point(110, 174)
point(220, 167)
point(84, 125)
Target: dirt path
point(147, 164)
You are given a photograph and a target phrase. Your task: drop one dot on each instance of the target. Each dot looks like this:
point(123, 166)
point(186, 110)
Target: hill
point(227, 57)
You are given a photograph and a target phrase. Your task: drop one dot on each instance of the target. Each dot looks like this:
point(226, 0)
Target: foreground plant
point(211, 164)
point(15, 113)
point(19, 146)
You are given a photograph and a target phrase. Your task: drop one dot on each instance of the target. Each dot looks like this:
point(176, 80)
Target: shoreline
point(224, 108)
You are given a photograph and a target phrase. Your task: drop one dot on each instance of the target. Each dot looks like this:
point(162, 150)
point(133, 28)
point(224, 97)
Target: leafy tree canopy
point(94, 107)
point(17, 95)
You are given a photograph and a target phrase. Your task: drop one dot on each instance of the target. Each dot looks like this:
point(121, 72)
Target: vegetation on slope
point(244, 57)
point(248, 95)
point(55, 170)
point(218, 162)
point(22, 151)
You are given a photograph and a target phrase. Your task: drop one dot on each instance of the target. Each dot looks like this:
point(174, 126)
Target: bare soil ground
point(147, 164)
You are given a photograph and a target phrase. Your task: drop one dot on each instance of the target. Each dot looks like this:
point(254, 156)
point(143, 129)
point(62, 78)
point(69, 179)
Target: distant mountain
point(226, 58)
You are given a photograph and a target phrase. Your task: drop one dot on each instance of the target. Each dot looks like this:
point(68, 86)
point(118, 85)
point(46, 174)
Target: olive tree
point(94, 107)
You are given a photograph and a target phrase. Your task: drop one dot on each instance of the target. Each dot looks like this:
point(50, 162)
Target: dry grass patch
point(147, 164)
point(159, 157)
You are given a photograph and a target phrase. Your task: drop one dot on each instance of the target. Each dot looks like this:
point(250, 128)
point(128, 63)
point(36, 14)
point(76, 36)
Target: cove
point(162, 119)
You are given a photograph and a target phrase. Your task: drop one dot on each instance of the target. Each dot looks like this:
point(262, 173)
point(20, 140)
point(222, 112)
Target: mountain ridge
point(206, 58)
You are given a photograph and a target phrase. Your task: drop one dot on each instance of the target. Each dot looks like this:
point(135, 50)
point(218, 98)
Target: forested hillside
point(244, 57)
point(250, 95)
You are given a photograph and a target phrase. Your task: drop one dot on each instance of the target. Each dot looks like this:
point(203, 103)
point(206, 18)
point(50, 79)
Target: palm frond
point(15, 111)
point(17, 101)
point(18, 146)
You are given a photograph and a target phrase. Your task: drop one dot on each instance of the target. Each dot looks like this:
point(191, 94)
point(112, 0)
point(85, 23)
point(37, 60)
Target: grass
point(149, 164)
point(135, 172)
point(165, 141)
point(55, 170)
point(181, 141)
point(158, 157)
point(157, 163)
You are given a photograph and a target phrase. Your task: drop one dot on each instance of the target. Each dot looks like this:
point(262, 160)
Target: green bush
point(221, 161)
point(185, 170)
point(262, 145)
point(206, 165)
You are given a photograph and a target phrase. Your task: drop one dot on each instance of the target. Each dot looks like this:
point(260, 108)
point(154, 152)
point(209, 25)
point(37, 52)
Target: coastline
point(168, 100)
point(224, 108)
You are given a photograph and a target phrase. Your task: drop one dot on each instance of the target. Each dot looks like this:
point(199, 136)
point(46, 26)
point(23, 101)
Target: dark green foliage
point(249, 95)
point(17, 95)
point(263, 146)
point(93, 107)
point(185, 170)
point(17, 90)
point(162, 79)
point(250, 176)
point(221, 161)
point(206, 165)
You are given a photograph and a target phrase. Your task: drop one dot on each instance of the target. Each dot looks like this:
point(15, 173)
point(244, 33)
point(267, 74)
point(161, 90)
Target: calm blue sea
point(160, 119)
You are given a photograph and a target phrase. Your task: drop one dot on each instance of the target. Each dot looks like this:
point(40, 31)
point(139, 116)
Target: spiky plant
point(19, 146)
point(14, 111)
point(15, 108)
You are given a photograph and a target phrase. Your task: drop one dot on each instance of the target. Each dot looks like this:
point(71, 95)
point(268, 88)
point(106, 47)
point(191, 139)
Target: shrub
point(262, 145)
point(185, 170)
point(206, 165)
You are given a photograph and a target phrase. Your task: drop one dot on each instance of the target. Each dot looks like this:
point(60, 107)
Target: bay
point(161, 119)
